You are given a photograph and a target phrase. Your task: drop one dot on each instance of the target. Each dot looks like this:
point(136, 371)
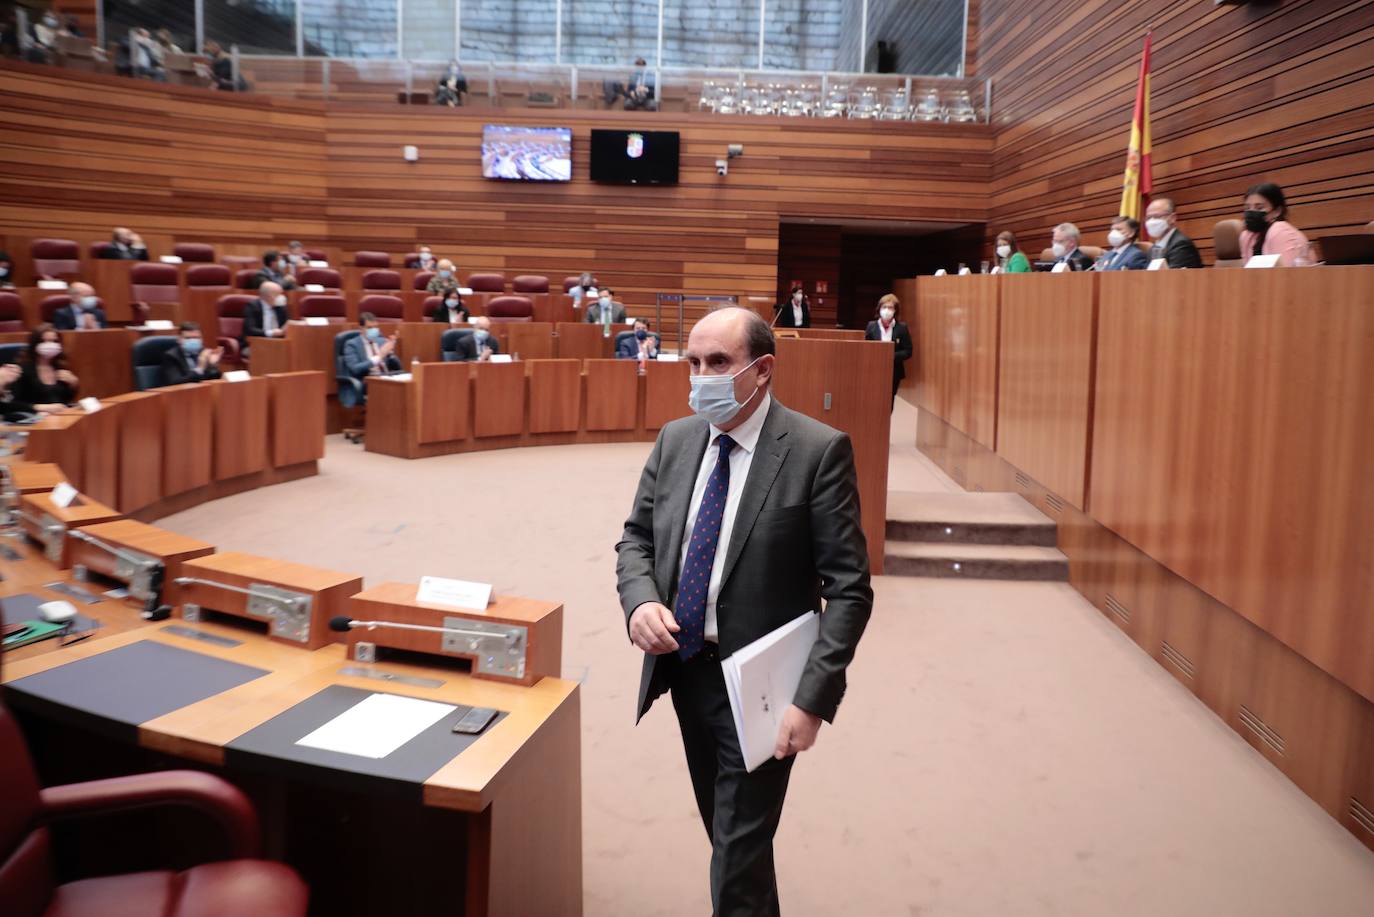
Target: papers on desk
point(1060, 268)
point(237, 375)
point(501, 358)
point(394, 377)
point(316, 320)
point(668, 358)
point(377, 725)
point(1159, 264)
point(762, 679)
point(170, 259)
point(314, 288)
point(90, 404)
point(159, 324)
point(62, 495)
point(459, 593)
point(318, 263)
point(52, 284)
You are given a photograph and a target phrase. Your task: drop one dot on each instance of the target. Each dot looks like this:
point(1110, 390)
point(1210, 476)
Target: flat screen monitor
point(635, 157)
point(513, 153)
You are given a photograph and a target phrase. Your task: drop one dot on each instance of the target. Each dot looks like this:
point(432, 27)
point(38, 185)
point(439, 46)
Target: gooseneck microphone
point(344, 623)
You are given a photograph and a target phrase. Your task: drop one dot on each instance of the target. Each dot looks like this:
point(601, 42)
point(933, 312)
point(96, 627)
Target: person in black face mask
point(640, 344)
point(1267, 230)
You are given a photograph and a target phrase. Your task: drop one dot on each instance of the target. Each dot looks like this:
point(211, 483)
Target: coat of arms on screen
point(634, 146)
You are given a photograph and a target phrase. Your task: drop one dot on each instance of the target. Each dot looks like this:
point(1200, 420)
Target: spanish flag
point(1136, 183)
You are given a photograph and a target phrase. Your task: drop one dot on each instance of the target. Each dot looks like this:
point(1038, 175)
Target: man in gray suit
point(777, 493)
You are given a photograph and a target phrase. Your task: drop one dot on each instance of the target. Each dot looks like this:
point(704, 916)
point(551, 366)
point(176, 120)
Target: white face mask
point(713, 397)
point(605, 300)
point(1115, 238)
point(1058, 249)
point(886, 314)
point(1004, 251)
point(1157, 227)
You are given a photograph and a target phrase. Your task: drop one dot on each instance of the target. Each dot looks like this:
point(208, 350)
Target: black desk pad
point(24, 607)
point(116, 691)
point(272, 747)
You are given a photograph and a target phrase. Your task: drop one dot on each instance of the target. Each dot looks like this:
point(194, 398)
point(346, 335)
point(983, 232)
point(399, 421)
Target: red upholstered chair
point(98, 248)
point(241, 884)
point(55, 257)
point(487, 283)
point(208, 275)
point(570, 282)
point(431, 303)
point(324, 276)
point(150, 283)
point(372, 259)
point(1226, 243)
point(510, 309)
point(194, 252)
point(530, 283)
point(381, 280)
point(315, 255)
point(239, 262)
point(230, 311)
point(246, 279)
point(386, 308)
point(11, 312)
point(320, 305)
point(421, 281)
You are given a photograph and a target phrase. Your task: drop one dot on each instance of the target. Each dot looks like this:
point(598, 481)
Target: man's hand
point(88, 321)
point(387, 347)
point(652, 627)
point(213, 356)
point(797, 733)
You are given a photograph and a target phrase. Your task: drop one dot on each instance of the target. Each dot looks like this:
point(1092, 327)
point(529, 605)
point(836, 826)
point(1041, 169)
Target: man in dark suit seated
point(264, 317)
point(1177, 250)
point(604, 306)
point(642, 345)
point(125, 245)
point(478, 346)
point(190, 361)
point(1123, 254)
point(82, 313)
point(370, 353)
point(639, 93)
point(274, 269)
point(1065, 248)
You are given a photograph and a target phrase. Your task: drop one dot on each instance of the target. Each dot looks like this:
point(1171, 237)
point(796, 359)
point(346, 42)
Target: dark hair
point(190, 326)
point(366, 317)
point(1010, 238)
point(640, 62)
point(797, 288)
point(5, 256)
point(1273, 194)
point(270, 258)
point(36, 338)
point(758, 336)
point(607, 290)
point(1131, 223)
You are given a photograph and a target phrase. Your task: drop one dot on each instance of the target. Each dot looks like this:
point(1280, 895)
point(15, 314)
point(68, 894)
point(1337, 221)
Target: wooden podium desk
point(138, 537)
point(485, 825)
point(34, 477)
point(101, 359)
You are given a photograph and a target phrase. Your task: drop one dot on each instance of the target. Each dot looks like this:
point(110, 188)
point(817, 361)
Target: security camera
point(735, 149)
point(722, 167)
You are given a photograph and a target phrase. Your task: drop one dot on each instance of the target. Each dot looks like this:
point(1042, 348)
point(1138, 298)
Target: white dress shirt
point(886, 330)
point(746, 437)
point(269, 318)
point(796, 315)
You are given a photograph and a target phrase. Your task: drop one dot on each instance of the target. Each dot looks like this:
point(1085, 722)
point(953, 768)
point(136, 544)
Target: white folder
point(762, 679)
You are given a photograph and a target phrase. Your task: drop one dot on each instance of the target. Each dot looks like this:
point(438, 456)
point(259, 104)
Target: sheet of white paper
point(456, 592)
point(1159, 264)
point(1263, 261)
point(397, 377)
point(52, 284)
point(501, 358)
point(997, 269)
point(159, 324)
point(761, 680)
point(377, 725)
point(1060, 268)
point(316, 320)
point(941, 272)
point(170, 259)
point(314, 288)
point(465, 291)
point(90, 404)
point(318, 263)
point(63, 494)
point(668, 358)
point(237, 375)
point(964, 272)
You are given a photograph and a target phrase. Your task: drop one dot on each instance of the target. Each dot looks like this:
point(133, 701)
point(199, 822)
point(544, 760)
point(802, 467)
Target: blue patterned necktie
point(695, 580)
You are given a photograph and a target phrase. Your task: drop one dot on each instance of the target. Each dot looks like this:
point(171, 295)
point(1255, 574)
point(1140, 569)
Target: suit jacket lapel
point(762, 472)
point(681, 488)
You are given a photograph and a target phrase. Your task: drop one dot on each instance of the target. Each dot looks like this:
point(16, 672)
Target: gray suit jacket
point(796, 539)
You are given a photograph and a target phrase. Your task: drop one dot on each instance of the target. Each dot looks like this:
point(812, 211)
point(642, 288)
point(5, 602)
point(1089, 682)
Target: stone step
point(967, 518)
point(976, 561)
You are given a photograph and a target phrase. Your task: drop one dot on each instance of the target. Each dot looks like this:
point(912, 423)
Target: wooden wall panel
point(1044, 400)
point(1231, 420)
point(955, 328)
point(1240, 93)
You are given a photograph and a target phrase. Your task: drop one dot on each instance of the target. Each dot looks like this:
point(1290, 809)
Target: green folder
point(32, 633)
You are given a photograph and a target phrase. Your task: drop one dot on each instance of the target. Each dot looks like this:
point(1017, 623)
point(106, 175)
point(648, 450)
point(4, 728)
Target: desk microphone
point(345, 623)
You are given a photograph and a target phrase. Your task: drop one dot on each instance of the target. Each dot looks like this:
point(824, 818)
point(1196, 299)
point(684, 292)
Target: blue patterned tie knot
point(695, 579)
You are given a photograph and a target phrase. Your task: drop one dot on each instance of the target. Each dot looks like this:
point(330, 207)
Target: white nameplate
point(501, 358)
point(316, 320)
point(465, 291)
point(237, 375)
point(318, 263)
point(159, 324)
point(1159, 264)
point(377, 725)
point(170, 259)
point(964, 272)
point(1263, 261)
point(997, 268)
point(62, 495)
point(314, 288)
point(941, 272)
point(52, 284)
point(90, 404)
point(1060, 268)
point(395, 377)
point(668, 358)
point(439, 590)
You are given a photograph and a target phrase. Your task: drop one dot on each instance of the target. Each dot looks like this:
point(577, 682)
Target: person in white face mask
point(605, 308)
point(1170, 243)
point(1010, 258)
point(1065, 250)
point(793, 312)
point(1122, 253)
point(746, 518)
point(886, 328)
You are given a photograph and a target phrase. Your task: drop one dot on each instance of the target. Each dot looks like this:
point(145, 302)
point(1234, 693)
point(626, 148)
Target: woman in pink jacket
point(1267, 230)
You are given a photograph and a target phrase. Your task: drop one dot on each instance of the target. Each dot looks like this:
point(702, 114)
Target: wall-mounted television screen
point(635, 157)
point(527, 153)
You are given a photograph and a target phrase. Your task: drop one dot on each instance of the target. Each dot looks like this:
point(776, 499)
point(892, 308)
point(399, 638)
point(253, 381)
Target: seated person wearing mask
point(1065, 248)
point(426, 262)
point(795, 313)
point(643, 345)
point(264, 317)
point(82, 313)
point(44, 380)
point(10, 406)
point(1177, 250)
point(445, 278)
point(1123, 254)
point(451, 87)
point(370, 353)
point(296, 258)
point(274, 269)
point(125, 245)
point(586, 286)
point(1010, 258)
point(1267, 230)
point(191, 361)
point(604, 307)
point(451, 310)
point(478, 346)
point(6, 271)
